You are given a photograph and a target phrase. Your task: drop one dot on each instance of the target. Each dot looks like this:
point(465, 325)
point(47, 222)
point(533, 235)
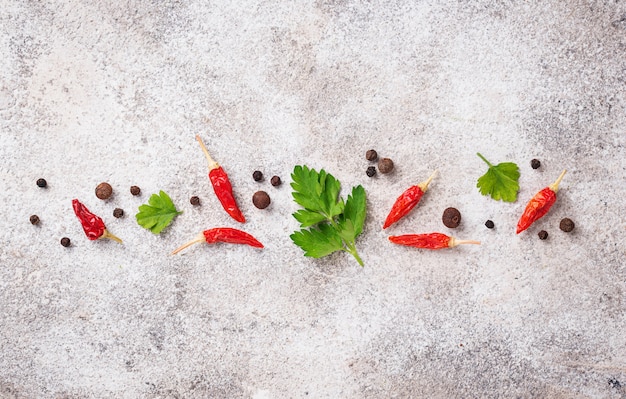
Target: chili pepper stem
point(212, 163)
point(555, 186)
point(454, 242)
point(424, 185)
point(110, 236)
point(199, 238)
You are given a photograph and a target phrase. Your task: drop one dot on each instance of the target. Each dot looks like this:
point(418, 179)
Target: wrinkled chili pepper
point(92, 224)
point(407, 201)
point(222, 234)
point(539, 205)
point(222, 187)
point(429, 241)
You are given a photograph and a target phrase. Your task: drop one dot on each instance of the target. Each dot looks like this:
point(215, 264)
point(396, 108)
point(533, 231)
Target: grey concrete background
point(115, 91)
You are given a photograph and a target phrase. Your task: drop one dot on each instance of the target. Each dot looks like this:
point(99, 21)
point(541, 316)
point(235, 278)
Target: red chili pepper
point(539, 205)
point(429, 241)
point(222, 187)
point(93, 225)
point(407, 201)
point(222, 234)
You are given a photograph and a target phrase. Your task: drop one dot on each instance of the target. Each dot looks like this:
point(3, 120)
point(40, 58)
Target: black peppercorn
point(42, 183)
point(276, 181)
point(371, 155)
point(135, 190)
point(535, 164)
point(65, 242)
point(257, 175)
point(104, 191)
point(385, 165)
point(371, 171)
point(451, 217)
point(567, 225)
point(542, 235)
point(118, 212)
point(261, 199)
point(34, 219)
point(489, 224)
point(194, 200)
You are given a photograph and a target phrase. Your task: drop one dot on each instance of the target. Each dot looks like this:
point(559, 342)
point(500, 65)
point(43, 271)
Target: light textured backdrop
point(115, 91)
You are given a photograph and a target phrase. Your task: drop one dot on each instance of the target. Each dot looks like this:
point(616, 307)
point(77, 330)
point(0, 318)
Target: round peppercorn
point(42, 183)
point(261, 199)
point(535, 164)
point(566, 225)
point(276, 181)
point(257, 175)
point(194, 200)
point(489, 224)
point(371, 171)
point(135, 190)
point(65, 242)
point(371, 155)
point(385, 165)
point(118, 212)
point(104, 191)
point(34, 219)
point(451, 217)
point(542, 235)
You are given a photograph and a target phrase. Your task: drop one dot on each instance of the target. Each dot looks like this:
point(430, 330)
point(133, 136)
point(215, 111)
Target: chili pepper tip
point(555, 186)
point(212, 163)
point(110, 236)
point(424, 185)
point(199, 238)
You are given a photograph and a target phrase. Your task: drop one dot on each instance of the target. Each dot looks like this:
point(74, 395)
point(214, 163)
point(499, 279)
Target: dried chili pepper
point(407, 201)
point(429, 241)
point(539, 205)
point(222, 187)
point(93, 225)
point(222, 234)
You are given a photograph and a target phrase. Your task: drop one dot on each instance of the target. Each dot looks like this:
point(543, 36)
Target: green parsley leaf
point(158, 213)
point(354, 210)
point(318, 241)
point(500, 181)
point(316, 192)
point(332, 224)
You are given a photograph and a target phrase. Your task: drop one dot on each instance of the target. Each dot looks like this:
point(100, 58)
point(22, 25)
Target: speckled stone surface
point(94, 91)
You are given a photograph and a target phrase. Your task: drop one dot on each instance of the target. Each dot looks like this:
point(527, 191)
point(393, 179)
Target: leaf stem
point(351, 249)
point(484, 159)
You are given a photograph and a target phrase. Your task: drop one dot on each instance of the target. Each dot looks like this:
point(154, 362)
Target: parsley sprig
point(500, 181)
point(158, 213)
point(328, 224)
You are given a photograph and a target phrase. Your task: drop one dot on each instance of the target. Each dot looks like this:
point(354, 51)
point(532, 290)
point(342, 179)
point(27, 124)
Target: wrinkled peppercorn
point(135, 190)
point(371, 171)
point(276, 181)
point(257, 175)
point(34, 219)
point(566, 225)
point(65, 242)
point(385, 165)
point(261, 199)
point(118, 212)
point(194, 200)
point(542, 235)
point(535, 164)
point(489, 224)
point(104, 191)
point(371, 155)
point(451, 217)
point(42, 183)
